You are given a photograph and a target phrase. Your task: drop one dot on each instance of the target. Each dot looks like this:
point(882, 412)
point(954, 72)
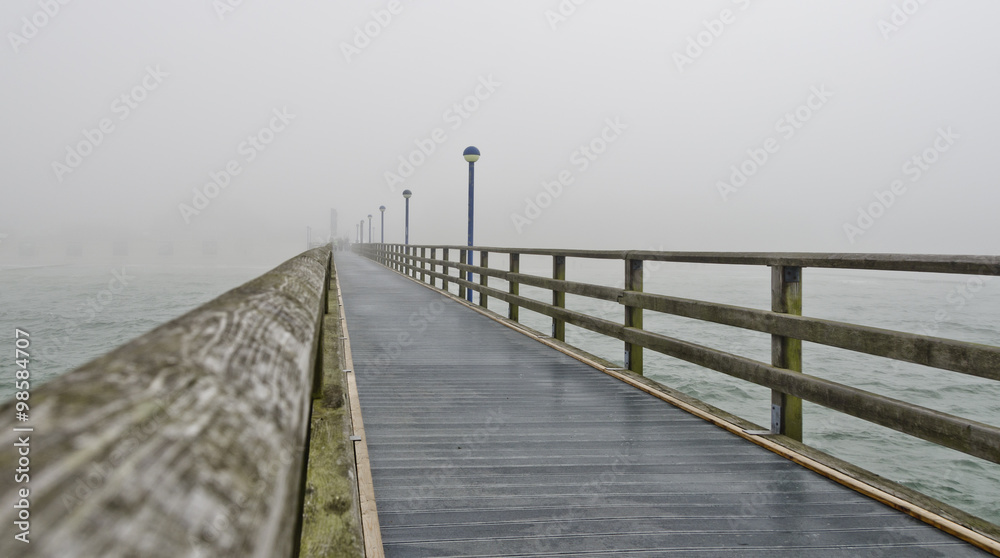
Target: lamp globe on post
point(381, 208)
point(406, 231)
point(471, 155)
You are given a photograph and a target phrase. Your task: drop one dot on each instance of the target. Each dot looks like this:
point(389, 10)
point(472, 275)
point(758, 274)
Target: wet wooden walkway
point(484, 442)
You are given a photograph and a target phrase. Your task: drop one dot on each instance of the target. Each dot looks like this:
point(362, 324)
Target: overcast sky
point(849, 126)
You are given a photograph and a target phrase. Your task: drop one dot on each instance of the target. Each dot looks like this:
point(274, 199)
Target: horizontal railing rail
point(784, 323)
point(934, 263)
point(188, 441)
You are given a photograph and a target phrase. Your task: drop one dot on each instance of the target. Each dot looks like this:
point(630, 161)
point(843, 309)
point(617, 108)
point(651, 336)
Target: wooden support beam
point(433, 266)
point(633, 315)
point(786, 352)
point(513, 287)
point(423, 264)
point(462, 255)
point(484, 258)
point(559, 297)
point(445, 270)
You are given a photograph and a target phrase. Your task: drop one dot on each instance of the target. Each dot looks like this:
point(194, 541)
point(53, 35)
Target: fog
point(203, 130)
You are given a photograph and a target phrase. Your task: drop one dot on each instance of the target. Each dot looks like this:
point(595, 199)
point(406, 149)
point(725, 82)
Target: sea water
point(74, 314)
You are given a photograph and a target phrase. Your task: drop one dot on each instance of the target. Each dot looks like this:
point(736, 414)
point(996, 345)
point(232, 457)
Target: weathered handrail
point(788, 328)
point(933, 263)
point(187, 441)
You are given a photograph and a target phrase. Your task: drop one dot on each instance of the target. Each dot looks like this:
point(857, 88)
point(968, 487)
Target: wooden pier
point(485, 442)
point(347, 405)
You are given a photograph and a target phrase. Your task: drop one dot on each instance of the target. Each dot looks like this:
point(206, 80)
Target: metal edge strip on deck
point(370, 528)
point(938, 521)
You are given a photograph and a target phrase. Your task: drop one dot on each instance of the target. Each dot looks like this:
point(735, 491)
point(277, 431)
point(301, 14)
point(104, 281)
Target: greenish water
point(76, 313)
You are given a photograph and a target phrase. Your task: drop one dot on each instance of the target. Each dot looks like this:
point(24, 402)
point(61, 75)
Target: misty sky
point(849, 126)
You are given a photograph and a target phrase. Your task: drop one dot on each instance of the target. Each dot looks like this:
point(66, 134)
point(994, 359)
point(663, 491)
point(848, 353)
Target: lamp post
point(371, 237)
point(382, 209)
point(471, 155)
point(406, 231)
point(357, 235)
point(362, 226)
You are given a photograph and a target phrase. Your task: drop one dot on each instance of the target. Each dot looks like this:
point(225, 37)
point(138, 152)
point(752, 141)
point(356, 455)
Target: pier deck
point(484, 442)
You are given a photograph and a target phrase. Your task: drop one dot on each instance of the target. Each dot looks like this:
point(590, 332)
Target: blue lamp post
point(371, 237)
point(471, 155)
point(406, 231)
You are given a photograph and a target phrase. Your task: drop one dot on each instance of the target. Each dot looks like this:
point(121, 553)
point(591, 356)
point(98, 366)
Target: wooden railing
point(188, 441)
point(784, 322)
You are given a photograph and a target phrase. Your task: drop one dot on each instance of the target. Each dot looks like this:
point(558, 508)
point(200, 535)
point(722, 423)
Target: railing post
point(484, 259)
point(513, 287)
point(433, 266)
point(461, 274)
point(410, 264)
point(423, 264)
point(559, 297)
point(786, 298)
point(445, 270)
point(633, 315)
